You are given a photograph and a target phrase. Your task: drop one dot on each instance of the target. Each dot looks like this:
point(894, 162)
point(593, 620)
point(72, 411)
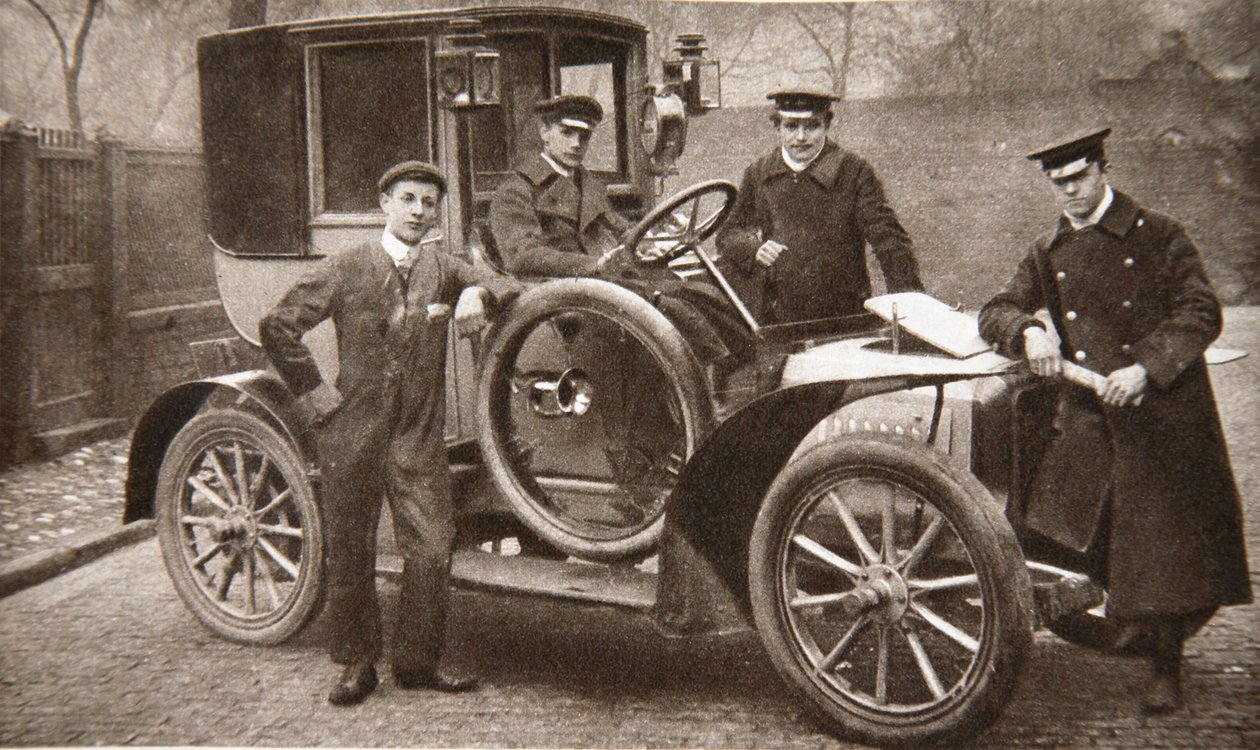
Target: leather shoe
point(440, 679)
point(1163, 695)
point(357, 681)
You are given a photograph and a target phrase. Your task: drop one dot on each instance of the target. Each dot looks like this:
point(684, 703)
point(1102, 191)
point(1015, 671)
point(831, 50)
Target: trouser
point(706, 319)
point(363, 460)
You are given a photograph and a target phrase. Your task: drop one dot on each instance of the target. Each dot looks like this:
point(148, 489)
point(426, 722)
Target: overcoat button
point(1060, 276)
point(1127, 304)
point(1080, 356)
point(1126, 349)
point(1071, 315)
point(1128, 263)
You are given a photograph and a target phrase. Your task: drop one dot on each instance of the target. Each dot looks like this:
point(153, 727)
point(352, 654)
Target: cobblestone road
point(107, 654)
point(48, 503)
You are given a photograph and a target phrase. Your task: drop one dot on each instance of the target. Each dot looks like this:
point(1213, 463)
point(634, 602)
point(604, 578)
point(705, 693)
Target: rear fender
point(257, 390)
point(703, 582)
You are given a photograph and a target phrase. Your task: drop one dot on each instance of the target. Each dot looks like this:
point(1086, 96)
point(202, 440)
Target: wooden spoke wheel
point(239, 528)
point(890, 592)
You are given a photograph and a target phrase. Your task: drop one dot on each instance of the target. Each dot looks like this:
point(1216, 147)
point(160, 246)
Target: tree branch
point(80, 38)
point(822, 47)
point(61, 42)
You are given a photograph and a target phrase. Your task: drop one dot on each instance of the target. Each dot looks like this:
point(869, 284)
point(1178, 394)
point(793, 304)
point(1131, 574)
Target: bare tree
point(72, 53)
point(818, 23)
point(973, 42)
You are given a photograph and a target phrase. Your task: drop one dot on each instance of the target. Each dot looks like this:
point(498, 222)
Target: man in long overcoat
point(795, 242)
point(380, 427)
point(551, 218)
point(1136, 477)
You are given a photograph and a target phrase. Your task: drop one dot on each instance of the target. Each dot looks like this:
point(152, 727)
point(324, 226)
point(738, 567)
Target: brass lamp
point(467, 70)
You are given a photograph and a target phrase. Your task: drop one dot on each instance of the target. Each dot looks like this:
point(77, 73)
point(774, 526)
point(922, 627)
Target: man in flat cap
point(552, 218)
point(1135, 486)
point(797, 236)
point(379, 429)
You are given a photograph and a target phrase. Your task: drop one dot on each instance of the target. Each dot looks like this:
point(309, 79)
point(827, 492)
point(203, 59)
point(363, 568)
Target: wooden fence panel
point(106, 279)
point(65, 311)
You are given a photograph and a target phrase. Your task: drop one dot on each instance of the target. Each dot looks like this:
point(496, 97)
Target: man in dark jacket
point(796, 239)
point(552, 218)
point(380, 428)
point(1136, 480)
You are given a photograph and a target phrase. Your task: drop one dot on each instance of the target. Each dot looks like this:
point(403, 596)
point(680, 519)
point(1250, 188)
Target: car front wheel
point(239, 528)
point(889, 592)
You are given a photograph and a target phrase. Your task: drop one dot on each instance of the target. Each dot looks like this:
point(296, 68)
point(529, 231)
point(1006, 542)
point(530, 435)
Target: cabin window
point(369, 109)
point(582, 65)
point(596, 81)
point(595, 68)
point(502, 134)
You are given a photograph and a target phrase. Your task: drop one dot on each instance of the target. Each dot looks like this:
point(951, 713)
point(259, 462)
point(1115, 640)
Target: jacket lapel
point(593, 200)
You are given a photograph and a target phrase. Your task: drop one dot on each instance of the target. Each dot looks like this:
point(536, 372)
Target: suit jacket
point(384, 336)
point(1132, 289)
point(549, 225)
point(825, 215)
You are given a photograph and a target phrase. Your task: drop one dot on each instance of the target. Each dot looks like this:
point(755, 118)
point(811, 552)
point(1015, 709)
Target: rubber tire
point(990, 541)
point(188, 445)
point(661, 339)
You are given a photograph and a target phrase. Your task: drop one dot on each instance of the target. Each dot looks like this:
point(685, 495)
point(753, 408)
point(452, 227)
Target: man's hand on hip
point(769, 252)
point(1043, 355)
point(470, 311)
point(318, 405)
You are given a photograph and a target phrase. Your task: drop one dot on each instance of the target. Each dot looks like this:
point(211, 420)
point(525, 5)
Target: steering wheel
point(674, 227)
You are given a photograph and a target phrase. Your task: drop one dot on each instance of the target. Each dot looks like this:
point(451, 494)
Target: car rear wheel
point(889, 592)
point(239, 528)
point(590, 403)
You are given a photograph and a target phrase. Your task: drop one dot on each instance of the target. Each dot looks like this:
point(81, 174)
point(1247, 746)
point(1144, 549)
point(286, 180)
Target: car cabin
point(299, 119)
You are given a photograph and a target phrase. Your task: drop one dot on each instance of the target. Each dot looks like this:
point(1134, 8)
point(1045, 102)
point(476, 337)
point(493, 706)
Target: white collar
point(793, 164)
point(1096, 215)
point(561, 170)
point(396, 248)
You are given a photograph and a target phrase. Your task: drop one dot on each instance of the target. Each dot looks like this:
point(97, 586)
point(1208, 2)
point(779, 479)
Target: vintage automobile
point(855, 500)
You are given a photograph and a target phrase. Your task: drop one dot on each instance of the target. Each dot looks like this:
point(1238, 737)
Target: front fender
point(703, 583)
point(259, 390)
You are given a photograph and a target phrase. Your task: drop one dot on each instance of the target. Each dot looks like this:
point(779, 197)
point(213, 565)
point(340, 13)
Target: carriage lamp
point(662, 129)
point(695, 78)
point(467, 70)
point(692, 85)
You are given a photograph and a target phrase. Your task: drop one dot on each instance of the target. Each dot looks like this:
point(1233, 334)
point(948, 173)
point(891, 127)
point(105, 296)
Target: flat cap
point(411, 170)
point(572, 110)
point(1071, 156)
point(802, 102)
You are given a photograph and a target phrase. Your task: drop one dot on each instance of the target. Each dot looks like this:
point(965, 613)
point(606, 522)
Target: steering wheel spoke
point(679, 220)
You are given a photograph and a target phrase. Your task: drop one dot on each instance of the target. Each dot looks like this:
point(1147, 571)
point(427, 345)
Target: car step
point(596, 583)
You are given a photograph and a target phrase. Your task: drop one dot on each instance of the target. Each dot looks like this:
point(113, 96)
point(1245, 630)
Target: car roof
point(438, 15)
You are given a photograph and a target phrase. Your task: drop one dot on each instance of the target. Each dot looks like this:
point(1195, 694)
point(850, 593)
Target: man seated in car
point(551, 218)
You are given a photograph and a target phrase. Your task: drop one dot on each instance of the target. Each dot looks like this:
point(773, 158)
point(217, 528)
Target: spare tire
point(590, 403)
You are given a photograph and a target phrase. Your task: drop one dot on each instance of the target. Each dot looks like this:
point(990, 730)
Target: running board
point(594, 583)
